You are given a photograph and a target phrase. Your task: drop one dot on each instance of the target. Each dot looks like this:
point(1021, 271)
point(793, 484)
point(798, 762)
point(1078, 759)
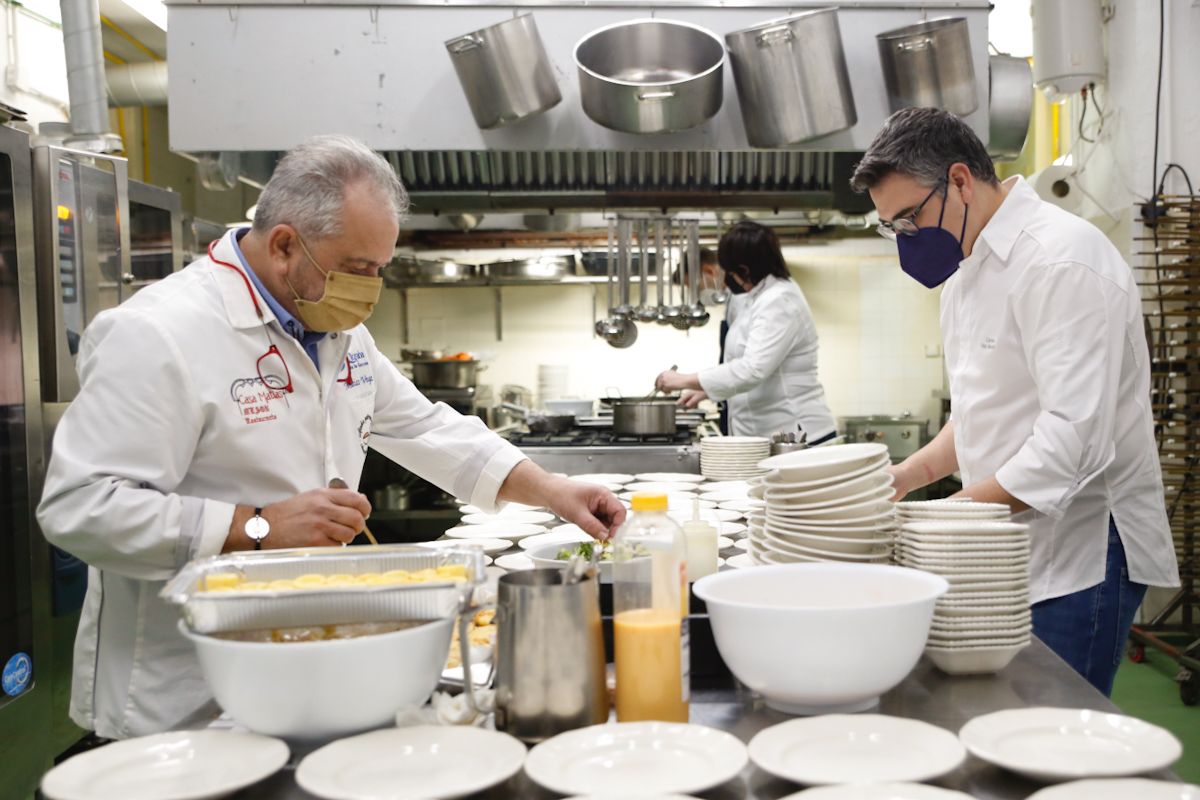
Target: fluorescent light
point(153, 10)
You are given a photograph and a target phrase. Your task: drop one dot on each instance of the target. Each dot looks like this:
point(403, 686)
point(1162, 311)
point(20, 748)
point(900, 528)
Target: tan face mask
point(348, 299)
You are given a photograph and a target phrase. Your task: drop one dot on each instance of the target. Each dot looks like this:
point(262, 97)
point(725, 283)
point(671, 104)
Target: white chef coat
point(769, 375)
point(1050, 387)
point(173, 427)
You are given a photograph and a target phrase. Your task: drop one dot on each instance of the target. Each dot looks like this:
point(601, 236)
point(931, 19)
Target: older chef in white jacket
point(769, 372)
point(216, 406)
point(1049, 379)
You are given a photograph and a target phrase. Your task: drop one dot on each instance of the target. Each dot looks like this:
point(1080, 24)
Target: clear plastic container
point(650, 605)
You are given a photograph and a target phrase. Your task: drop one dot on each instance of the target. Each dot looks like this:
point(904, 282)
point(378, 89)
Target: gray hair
point(308, 185)
point(922, 143)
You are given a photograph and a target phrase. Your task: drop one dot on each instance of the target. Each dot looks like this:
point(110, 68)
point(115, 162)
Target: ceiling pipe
point(85, 78)
point(143, 83)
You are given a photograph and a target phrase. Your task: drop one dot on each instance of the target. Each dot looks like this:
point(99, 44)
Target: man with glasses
point(1049, 378)
point(229, 406)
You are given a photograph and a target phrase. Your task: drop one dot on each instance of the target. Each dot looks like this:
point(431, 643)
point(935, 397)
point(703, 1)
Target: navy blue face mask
point(931, 255)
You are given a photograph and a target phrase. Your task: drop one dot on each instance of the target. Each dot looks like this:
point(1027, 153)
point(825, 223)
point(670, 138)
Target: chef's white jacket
point(769, 375)
point(1047, 360)
point(173, 427)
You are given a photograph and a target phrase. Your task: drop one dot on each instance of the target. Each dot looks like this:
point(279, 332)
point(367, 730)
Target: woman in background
point(768, 372)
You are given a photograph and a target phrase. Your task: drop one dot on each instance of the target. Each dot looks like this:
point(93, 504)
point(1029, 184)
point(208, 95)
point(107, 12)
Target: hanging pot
point(650, 75)
point(505, 72)
point(930, 64)
point(791, 79)
point(1010, 82)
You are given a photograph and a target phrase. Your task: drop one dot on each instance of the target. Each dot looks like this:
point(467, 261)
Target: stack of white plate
point(552, 381)
point(732, 458)
point(984, 620)
point(828, 503)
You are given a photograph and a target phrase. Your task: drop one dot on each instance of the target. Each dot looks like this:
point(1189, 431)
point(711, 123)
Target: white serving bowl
point(316, 690)
point(547, 558)
point(871, 621)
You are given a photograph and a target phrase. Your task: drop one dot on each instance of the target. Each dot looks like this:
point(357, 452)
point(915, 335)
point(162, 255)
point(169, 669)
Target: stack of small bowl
point(828, 503)
point(984, 620)
point(732, 458)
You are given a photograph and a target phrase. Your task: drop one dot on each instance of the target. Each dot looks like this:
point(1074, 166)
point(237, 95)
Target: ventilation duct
point(85, 78)
point(141, 84)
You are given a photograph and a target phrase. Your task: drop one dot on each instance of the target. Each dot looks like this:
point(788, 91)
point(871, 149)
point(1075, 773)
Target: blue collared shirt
point(307, 339)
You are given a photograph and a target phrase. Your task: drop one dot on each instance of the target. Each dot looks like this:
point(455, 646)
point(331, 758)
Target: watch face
point(257, 528)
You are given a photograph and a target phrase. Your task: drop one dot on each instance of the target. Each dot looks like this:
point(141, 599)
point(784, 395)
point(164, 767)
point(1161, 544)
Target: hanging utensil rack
point(1167, 265)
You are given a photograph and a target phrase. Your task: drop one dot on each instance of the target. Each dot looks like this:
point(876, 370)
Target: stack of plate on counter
point(828, 503)
point(552, 381)
point(984, 620)
point(732, 458)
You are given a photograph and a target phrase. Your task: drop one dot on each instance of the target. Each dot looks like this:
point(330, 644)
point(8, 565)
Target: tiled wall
point(880, 343)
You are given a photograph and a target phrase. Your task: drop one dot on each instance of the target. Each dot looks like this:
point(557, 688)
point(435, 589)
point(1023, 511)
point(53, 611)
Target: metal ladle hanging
point(673, 312)
point(644, 312)
point(681, 319)
point(660, 264)
point(697, 316)
point(623, 313)
point(610, 328)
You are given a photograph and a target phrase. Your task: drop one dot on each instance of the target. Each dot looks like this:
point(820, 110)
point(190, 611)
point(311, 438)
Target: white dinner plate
point(710, 515)
point(670, 477)
point(496, 530)
point(822, 462)
point(509, 508)
point(553, 537)
point(419, 762)
point(856, 748)
point(741, 561)
point(531, 517)
point(180, 765)
point(1056, 744)
point(723, 542)
point(741, 506)
point(661, 487)
point(742, 544)
point(1119, 789)
point(630, 758)
point(877, 488)
point(965, 527)
point(726, 441)
point(879, 791)
point(515, 562)
point(723, 486)
point(950, 506)
point(490, 546)
point(604, 477)
point(876, 465)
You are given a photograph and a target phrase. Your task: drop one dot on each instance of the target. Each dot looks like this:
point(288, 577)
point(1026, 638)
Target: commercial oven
point(81, 203)
point(155, 233)
point(25, 643)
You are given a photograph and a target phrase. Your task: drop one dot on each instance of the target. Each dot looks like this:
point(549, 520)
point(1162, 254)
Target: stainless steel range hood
point(276, 71)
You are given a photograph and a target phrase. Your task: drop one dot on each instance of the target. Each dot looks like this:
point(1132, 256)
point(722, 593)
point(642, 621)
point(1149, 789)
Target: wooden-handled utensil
point(338, 483)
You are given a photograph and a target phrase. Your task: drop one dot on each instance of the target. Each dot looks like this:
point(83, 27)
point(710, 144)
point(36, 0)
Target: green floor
point(1148, 691)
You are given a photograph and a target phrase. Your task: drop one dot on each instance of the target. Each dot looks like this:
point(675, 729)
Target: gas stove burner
point(596, 437)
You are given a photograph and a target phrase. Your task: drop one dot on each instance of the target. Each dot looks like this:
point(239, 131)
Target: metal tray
point(216, 612)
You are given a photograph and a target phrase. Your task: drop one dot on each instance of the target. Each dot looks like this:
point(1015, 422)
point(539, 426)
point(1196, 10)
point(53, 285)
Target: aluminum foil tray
point(217, 612)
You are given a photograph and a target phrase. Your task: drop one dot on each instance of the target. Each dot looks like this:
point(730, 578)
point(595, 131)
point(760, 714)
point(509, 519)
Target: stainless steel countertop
point(1037, 677)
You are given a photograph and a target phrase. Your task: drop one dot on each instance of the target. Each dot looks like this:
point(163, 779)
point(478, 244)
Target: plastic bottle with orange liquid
point(650, 605)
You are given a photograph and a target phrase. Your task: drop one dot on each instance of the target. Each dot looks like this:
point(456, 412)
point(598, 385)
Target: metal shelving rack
point(1168, 270)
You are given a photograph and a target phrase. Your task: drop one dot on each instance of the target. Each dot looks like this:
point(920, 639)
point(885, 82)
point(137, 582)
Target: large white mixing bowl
point(818, 638)
point(321, 690)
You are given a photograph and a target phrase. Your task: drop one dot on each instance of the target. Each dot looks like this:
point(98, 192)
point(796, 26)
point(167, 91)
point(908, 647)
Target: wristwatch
point(257, 528)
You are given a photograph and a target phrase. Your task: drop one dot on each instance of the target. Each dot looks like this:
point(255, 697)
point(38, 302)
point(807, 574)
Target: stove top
point(597, 437)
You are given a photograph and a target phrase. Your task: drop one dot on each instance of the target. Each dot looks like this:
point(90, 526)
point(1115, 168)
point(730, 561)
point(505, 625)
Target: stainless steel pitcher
point(550, 674)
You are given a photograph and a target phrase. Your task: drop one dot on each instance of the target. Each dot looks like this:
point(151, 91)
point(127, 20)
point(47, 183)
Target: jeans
point(1088, 629)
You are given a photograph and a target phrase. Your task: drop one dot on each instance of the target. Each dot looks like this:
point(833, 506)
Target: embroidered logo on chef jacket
point(364, 432)
point(988, 343)
point(256, 402)
point(356, 371)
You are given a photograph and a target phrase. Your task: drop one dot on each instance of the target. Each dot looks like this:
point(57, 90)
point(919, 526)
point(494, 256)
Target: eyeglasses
point(273, 370)
point(906, 225)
